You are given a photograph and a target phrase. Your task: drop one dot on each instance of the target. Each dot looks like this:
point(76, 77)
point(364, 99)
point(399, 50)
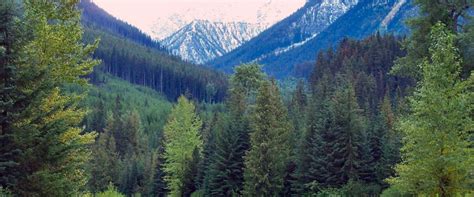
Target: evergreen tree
point(98, 117)
point(129, 133)
point(312, 161)
point(437, 153)
point(248, 78)
point(159, 185)
point(190, 174)
point(379, 151)
point(297, 115)
point(9, 42)
point(226, 172)
point(54, 149)
point(209, 138)
point(225, 175)
point(266, 160)
point(391, 142)
point(453, 14)
point(348, 142)
point(105, 161)
point(181, 139)
point(297, 112)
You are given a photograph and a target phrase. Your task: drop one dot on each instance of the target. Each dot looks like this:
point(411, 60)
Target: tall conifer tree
point(312, 160)
point(9, 43)
point(266, 161)
point(54, 149)
point(226, 170)
point(181, 139)
point(437, 152)
point(348, 142)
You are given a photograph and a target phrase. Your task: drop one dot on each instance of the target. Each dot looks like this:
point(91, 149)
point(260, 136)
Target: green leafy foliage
point(110, 192)
point(130, 55)
point(338, 134)
point(181, 139)
point(456, 14)
point(134, 120)
point(437, 151)
point(54, 150)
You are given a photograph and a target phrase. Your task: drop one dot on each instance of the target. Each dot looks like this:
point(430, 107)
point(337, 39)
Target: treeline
point(349, 132)
point(335, 135)
point(131, 55)
point(343, 103)
point(128, 152)
point(352, 129)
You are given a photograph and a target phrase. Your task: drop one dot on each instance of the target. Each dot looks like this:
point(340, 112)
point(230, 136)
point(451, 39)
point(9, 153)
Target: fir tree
point(265, 162)
point(312, 161)
point(54, 149)
point(181, 139)
point(297, 112)
point(248, 78)
point(9, 42)
point(349, 137)
point(417, 45)
point(190, 174)
point(105, 161)
point(226, 173)
point(437, 153)
point(159, 187)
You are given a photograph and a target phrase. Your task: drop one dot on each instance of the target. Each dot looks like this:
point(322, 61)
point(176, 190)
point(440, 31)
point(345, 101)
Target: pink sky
point(147, 14)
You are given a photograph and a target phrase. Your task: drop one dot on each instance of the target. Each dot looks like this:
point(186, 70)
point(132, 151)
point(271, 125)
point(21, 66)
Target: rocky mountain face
point(303, 25)
point(317, 26)
point(201, 40)
point(266, 12)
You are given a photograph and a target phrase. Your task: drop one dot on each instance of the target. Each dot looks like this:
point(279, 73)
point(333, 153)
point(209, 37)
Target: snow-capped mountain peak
point(203, 40)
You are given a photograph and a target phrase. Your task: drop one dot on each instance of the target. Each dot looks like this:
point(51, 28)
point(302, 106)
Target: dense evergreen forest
point(92, 107)
point(128, 53)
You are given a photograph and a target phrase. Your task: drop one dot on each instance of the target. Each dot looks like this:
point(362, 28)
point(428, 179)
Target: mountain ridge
point(361, 20)
point(306, 22)
point(203, 40)
point(124, 53)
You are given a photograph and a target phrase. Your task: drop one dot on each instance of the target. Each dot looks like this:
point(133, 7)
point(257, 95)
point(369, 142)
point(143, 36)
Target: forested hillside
point(131, 55)
point(381, 116)
point(95, 17)
point(129, 120)
point(361, 19)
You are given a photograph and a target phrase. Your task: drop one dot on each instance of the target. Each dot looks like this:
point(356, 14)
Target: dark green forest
point(91, 106)
point(129, 54)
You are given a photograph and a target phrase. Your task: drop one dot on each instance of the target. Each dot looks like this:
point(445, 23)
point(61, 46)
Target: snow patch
point(202, 40)
point(392, 13)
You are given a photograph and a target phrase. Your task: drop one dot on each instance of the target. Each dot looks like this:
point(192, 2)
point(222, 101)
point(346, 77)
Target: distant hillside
point(296, 29)
point(364, 18)
point(131, 55)
point(202, 40)
point(94, 16)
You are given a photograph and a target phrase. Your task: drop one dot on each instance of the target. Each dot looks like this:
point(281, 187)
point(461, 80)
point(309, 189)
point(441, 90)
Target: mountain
point(354, 19)
point(95, 17)
point(266, 12)
point(304, 24)
point(202, 40)
point(129, 54)
point(164, 27)
point(366, 18)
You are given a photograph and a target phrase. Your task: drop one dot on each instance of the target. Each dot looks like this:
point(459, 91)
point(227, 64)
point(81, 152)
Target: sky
point(160, 18)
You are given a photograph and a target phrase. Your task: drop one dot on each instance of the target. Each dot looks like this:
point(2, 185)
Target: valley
point(236, 98)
